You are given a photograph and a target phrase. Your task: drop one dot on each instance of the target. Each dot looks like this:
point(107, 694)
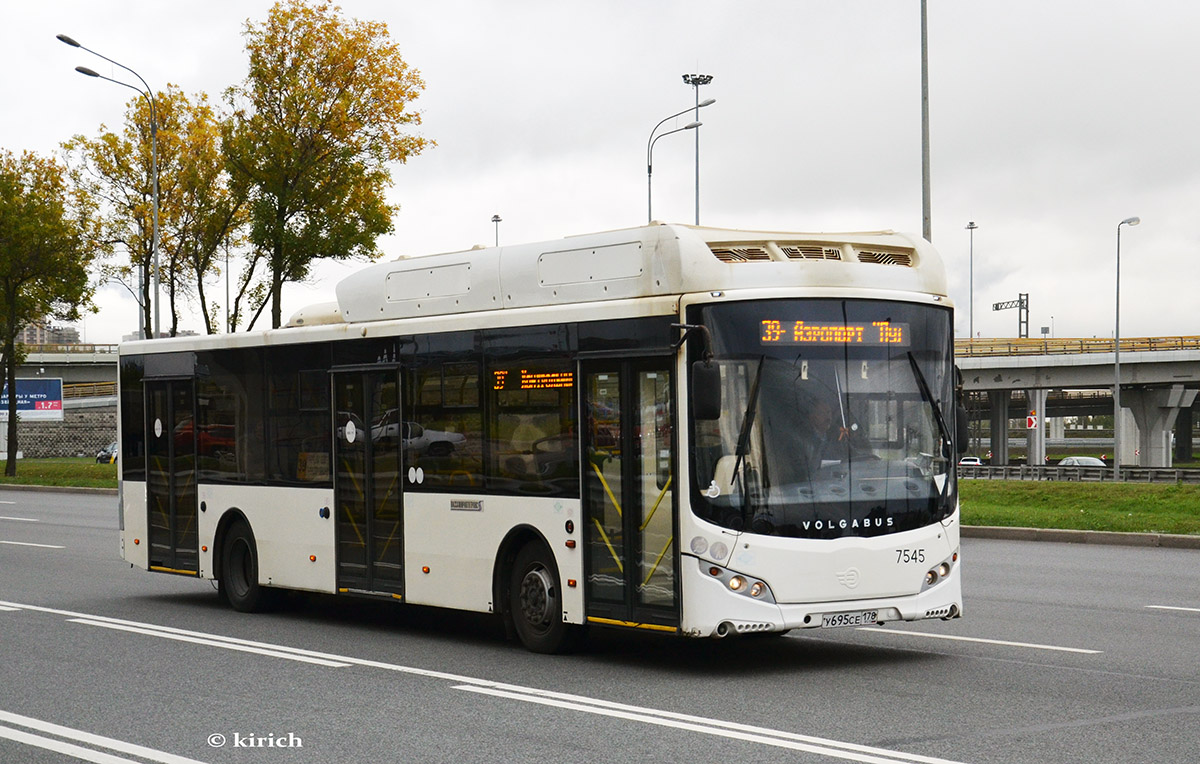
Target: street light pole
point(926, 215)
point(971, 227)
point(650, 150)
point(497, 219)
point(1117, 359)
point(148, 94)
point(696, 80)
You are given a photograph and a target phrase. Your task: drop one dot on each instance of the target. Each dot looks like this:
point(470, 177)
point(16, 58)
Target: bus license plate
point(858, 618)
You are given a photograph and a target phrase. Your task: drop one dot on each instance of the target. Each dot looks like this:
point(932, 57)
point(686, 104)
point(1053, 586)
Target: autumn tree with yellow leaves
point(48, 237)
point(323, 111)
point(200, 208)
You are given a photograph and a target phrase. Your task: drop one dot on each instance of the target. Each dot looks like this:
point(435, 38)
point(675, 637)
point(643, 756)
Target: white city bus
point(692, 430)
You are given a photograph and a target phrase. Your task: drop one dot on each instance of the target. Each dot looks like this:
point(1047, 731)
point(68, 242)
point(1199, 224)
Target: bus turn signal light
point(312, 558)
point(570, 543)
point(424, 568)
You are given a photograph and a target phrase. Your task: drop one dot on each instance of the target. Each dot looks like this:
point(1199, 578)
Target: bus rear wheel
point(238, 584)
point(535, 601)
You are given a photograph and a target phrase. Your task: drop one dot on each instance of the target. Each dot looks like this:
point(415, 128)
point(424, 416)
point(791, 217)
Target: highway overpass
point(1049, 378)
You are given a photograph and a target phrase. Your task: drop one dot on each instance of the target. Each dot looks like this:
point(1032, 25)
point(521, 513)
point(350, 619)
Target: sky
point(1051, 121)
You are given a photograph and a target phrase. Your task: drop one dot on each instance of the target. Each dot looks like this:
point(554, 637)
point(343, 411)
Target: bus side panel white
point(133, 505)
point(288, 530)
point(459, 546)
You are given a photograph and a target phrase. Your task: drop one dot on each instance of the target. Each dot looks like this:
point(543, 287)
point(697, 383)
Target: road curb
point(58, 488)
point(1164, 540)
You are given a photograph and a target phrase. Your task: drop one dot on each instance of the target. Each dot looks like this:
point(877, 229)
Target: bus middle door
point(369, 438)
point(628, 493)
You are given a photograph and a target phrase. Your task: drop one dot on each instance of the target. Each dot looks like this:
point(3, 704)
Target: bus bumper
point(711, 609)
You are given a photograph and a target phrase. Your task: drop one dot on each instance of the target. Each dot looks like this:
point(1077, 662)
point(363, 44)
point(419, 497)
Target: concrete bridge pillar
point(999, 421)
point(1056, 428)
point(1183, 435)
point(1155, 410)
point(1035, 439)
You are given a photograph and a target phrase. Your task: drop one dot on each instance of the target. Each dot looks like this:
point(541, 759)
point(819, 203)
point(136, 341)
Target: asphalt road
point(1067, 653)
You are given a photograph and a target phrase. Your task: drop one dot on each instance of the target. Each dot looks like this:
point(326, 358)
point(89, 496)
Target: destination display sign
point(524, 379)
point(776, 331)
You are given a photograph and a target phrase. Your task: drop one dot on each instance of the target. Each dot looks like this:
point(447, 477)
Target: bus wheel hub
point(537, 597)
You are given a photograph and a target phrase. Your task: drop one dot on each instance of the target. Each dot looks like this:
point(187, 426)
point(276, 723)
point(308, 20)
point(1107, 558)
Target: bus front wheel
point(238, 584)
point(535, 601)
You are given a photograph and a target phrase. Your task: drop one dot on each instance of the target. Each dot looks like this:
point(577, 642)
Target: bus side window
point(532, 430)
point(443, 431)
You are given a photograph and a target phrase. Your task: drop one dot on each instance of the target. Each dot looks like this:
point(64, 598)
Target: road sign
point(1031, 420)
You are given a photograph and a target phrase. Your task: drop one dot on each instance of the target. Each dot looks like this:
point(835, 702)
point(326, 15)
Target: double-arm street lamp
point(650, 150)
point(1117, 359)
point(148, 94)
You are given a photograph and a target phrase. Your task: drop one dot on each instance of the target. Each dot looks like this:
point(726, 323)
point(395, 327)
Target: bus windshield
point(836, 418)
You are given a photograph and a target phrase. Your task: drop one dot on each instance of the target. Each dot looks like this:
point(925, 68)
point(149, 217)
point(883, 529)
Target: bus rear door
point(171, 476)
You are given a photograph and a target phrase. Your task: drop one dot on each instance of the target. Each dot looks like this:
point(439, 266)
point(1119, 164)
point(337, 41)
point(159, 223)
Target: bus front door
point(368, 451)
point(171, 480)
point(629, 503)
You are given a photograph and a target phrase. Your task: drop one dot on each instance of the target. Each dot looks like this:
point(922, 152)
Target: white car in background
point(1081, 461)
point(413, 436)
point(970, 461)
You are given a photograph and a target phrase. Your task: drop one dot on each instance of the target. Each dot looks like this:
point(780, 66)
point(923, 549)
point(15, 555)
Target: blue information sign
point(39, 398)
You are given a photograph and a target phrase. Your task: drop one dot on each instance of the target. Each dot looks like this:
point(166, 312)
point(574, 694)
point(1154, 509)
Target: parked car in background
point(108, 454)
point(970, 461)
point(1081, 461)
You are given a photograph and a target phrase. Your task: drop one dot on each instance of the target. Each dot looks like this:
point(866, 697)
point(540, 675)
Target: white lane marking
point(58, 746)
point(20, 519)
point(7, 502)
point(1168, 607)
point(731, 730)
point(26, 543)
point(459, 679)
point(80, 736)
point(1030, 645)
point(9, 609)
point(212, 643)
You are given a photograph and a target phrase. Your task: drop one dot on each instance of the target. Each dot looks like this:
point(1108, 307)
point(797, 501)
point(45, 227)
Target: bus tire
point(238, 584)
point(535, 601)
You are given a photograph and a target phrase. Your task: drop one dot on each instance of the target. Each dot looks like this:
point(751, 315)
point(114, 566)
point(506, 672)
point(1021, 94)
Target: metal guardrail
point(1086, 474)
point(71, 349)
point(972, 348)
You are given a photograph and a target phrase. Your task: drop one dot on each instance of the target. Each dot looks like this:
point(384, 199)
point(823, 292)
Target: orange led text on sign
point(775, 331)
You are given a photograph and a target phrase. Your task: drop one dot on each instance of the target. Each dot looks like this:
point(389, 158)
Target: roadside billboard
point(38, 399)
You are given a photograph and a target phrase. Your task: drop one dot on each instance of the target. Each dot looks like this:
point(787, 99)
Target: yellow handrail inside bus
point(657, 501)
point(607, 490)
point(358, 490)
point(378, 512)
point(661, 554)
point(608, 544)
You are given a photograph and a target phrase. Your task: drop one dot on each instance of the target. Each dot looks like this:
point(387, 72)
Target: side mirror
point(706, 390)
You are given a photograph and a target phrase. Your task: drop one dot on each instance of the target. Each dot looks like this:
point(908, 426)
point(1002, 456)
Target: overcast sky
point(1051, 121)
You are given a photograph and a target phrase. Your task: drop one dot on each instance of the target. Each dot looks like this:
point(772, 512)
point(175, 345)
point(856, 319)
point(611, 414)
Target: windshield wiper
point(743, 444)
point(947, 441)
